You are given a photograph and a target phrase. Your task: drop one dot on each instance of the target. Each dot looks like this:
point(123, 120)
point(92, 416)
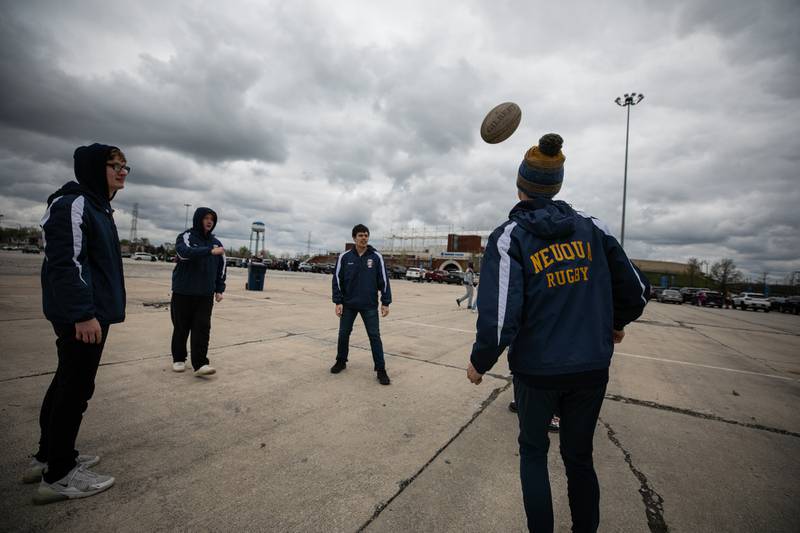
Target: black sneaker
point(458, 302)
point(338, 367)
point(512, 407)
point(383, 377)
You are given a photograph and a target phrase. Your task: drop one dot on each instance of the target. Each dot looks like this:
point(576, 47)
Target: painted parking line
point(434, 326)
point(636, 356)
point(699, 365)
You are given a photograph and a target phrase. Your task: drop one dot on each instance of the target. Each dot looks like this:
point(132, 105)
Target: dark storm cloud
point(146, 107)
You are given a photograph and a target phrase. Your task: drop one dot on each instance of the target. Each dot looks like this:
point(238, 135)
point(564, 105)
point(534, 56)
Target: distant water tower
point(257, 234)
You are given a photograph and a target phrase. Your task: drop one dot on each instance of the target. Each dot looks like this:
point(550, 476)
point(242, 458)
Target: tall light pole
point(627, 100)
point(186, 222)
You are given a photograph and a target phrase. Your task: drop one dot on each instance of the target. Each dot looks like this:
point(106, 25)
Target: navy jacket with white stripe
point(198, 272)
point(82, 271)
point(554, 284)
point(358, 279)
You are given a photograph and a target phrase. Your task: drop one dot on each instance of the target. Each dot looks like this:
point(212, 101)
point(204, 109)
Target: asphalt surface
point(700, 429)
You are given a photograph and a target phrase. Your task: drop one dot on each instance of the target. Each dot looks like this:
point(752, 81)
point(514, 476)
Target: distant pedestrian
point(197, 281)
point(557, 289)
point(83, 292)
point(360, 274)
point(469, 285)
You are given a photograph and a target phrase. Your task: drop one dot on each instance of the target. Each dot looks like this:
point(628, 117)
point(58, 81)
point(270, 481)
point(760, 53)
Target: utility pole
point(186, 222)
point(134, 223)
point(628, 100)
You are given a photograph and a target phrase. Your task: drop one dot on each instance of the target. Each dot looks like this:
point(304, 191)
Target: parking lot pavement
point(700, 430)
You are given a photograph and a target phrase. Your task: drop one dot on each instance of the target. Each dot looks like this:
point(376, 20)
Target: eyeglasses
point(118, 168)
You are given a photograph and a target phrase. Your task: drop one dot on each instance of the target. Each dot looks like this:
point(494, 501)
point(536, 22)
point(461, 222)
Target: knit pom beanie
point(542, 170)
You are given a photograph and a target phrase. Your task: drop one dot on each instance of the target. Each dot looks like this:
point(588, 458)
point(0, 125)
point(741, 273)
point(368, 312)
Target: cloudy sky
point(314, 116)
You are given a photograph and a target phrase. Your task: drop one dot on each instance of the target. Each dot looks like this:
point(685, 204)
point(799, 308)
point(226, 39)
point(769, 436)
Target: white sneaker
point(33, 474)
point(79, 483)
point(178, 366)
point(205, 370)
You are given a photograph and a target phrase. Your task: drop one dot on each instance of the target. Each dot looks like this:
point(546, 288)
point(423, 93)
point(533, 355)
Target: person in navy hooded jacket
point(197, 280)
point(360, 274)
point(83, 293)
point(558, 290)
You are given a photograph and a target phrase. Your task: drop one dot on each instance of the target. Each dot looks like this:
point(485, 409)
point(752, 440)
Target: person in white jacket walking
point(469, 285)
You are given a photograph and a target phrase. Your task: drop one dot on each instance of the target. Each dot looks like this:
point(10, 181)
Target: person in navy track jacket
point(197, 281)
point(557, 290)
point(360, 274)
point(83, 293)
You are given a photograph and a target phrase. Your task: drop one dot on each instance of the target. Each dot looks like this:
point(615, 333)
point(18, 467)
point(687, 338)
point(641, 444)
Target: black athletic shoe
point(338, 367)
point(458, 302)
point(512, 407)
point(383, 377)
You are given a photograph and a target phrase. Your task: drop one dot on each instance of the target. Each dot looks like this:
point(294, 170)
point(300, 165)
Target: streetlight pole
point(186, 222)
point(627, 100)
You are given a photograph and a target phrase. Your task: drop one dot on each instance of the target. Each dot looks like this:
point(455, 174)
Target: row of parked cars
point(27, 249)
point(451, 277)
point(704, 297)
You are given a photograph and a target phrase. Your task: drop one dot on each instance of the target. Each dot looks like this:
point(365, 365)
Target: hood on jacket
point(90, 171)
point(72, 187)
point(545, 218)
point(197, 220)
point(90, 168)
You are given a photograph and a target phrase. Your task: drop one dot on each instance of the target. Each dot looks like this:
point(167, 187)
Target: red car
point(439, 276)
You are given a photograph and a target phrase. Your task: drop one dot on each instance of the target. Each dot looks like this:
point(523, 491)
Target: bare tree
point(693, 269)
point(724, 272)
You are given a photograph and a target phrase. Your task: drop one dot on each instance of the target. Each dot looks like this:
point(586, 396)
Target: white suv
point(143, 256)
point(414, 273)
point(751, 300)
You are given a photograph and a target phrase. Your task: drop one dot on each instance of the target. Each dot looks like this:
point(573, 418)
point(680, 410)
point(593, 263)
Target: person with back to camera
point(197, 281)
point(558, 290)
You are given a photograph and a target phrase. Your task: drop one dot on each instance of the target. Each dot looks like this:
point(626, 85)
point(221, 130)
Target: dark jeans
point(579, 410)
point(370, 318)
point(191, 314)
point(66, 400)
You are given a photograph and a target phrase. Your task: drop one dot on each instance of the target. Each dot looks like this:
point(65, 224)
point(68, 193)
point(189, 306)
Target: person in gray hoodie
point(469, 285)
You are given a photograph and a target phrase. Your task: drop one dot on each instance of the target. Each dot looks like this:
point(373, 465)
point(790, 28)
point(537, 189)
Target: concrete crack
point(697, 414)
point(406, 482)
point(653, 502)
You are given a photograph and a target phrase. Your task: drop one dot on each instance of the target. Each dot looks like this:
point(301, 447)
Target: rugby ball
point(501, 122)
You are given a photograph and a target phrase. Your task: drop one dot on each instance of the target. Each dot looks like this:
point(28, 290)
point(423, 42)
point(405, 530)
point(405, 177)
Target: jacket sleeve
point(68, 276)
point(383, 283)
point(222, 272)
point(338, 296)
point(500, 299)
point(630, 288)
point(186, 252)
